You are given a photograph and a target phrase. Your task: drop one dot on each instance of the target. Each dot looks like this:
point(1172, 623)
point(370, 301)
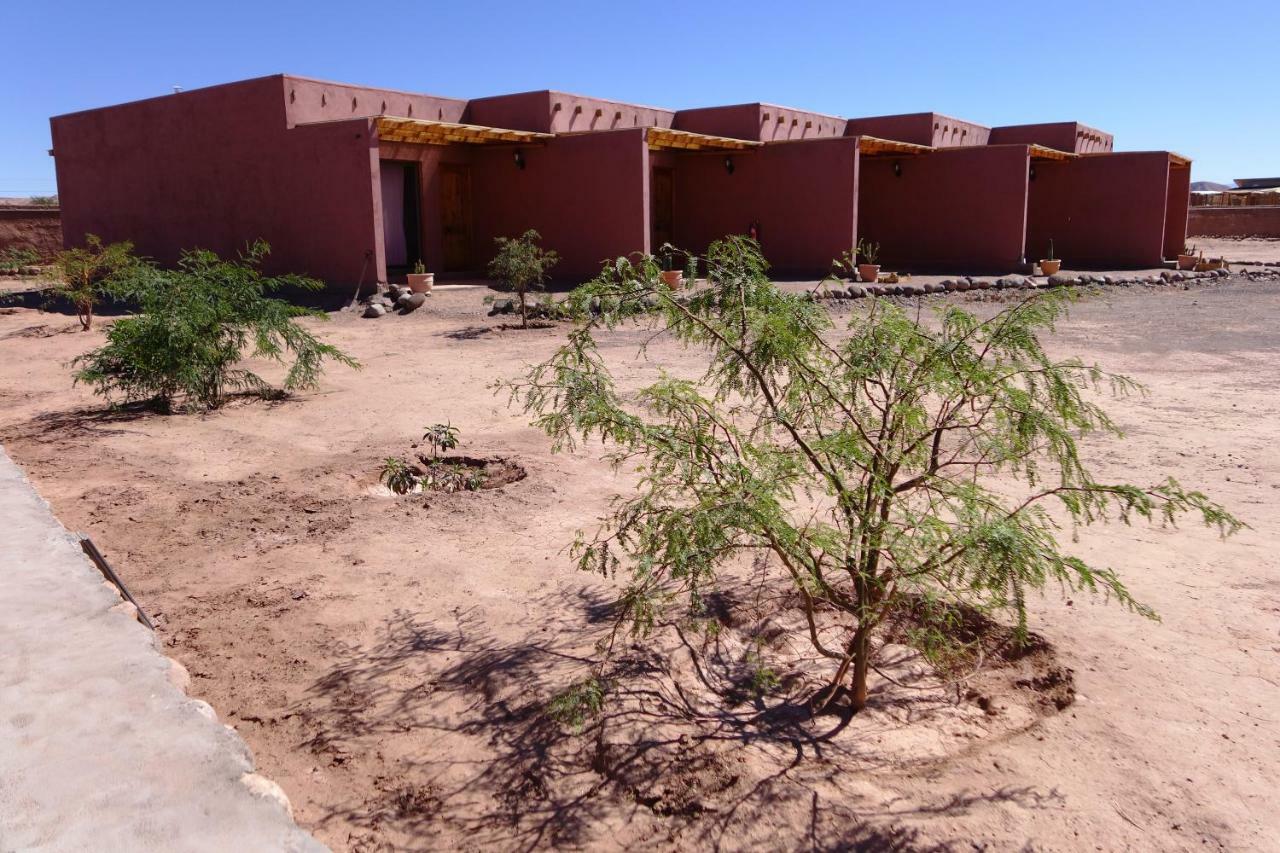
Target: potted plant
point(672, 276)
point(1187, 258)
point(868, 269)
point(421, 281)
point(1051, 264)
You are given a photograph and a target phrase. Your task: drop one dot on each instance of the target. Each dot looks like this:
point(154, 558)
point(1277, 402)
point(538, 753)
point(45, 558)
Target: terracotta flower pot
point(421, 282)
point(869, 272)
point(673, 279)
point(1187, 262)
point(1049, 267)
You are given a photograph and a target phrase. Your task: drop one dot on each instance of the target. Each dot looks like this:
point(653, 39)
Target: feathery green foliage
point(88, 275)
point(196, 323)
point(862, 462)
point(522, 265)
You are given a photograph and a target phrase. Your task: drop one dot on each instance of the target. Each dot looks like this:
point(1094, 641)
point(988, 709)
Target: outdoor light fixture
point(519, 157)
point(1032, 173)
point(897, 168)
point(728, 165)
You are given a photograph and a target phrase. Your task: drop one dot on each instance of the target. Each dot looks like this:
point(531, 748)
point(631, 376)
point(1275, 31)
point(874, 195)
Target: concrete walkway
point(99, 747)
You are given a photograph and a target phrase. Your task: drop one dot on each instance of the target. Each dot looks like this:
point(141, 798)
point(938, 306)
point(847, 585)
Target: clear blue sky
point(1199, 78)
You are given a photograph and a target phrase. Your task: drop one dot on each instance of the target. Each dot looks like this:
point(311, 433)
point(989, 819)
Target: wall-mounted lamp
point(519, 158)
point(897, 168)
point(1032, 173)
point(728, 164)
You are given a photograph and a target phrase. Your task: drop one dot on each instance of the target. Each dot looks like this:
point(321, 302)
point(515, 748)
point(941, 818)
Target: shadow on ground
point(677, 756)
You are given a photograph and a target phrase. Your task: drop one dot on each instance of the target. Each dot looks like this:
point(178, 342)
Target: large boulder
point(373, 311)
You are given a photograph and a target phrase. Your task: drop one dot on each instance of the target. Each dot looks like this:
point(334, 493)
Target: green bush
point(196, 323)
point(13, 258)
point(88, 275)
point(522, 265)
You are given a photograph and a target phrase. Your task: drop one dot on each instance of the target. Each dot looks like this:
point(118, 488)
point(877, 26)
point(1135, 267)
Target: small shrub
point(90, 274)
point(522, 265)
point(398, 476)
point(441, 438)
point(581, 701)
point(44, 200)
point(453, 477)
point(197, 323)
point(13, 258)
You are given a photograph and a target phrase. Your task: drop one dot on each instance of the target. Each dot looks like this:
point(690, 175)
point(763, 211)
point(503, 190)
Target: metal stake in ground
point(86, 544)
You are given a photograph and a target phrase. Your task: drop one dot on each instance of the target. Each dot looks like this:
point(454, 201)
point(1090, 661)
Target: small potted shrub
point(868, 269)
point(1187, 258)
point(421, 281)
point(1051, 264)
point(672, 275)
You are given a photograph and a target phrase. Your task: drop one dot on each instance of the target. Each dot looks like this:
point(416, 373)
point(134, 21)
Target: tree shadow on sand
point(671, 758)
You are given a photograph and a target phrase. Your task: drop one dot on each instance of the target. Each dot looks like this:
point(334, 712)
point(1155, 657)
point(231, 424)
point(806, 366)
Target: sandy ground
point(389, 662)
point(1250, 250)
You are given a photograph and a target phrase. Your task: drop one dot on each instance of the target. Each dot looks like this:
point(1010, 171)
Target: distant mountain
point(1209, 187)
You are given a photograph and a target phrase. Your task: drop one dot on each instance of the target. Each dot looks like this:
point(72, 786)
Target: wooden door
point(661, 205)
point(455, 216)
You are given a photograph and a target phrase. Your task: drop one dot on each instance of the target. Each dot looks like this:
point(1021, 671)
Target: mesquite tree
point(894, 459)
point(522, 265)
point(88, 274)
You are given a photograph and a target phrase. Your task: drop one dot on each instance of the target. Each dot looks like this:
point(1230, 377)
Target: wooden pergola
point(426, 132)
point(660, 138)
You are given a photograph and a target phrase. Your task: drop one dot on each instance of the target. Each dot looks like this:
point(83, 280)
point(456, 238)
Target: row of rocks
point(1017, 282)
point(398, 297)
point(21, 272)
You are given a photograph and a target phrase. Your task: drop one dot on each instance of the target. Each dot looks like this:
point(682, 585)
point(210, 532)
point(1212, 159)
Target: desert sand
point(389, 659)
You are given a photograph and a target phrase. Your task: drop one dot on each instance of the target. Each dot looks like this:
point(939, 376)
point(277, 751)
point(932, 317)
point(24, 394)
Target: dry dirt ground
point(389, 659)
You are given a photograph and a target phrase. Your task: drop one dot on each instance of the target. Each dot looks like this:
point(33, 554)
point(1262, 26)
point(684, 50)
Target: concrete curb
point(102, 749)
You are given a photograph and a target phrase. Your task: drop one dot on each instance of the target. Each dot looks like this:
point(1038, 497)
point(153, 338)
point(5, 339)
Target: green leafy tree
point(88, 274)
point(892, 464)
point(522, 265)
point(196, 324)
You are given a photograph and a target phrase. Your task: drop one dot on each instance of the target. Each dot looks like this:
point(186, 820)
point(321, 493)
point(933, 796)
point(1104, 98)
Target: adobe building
point(354, 184)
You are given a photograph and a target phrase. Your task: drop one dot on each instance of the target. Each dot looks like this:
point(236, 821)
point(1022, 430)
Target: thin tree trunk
point(861, 662)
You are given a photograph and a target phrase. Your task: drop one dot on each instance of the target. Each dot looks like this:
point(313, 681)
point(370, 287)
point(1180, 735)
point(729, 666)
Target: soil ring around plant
point(491, 472)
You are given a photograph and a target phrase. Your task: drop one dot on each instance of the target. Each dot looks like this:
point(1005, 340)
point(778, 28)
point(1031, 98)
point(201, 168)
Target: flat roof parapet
point(1071, 136)
point(550, 111)
point(931, 129)
point(761, 122)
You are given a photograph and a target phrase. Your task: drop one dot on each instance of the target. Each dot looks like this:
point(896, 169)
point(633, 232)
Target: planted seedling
point(398, 476)
point(441, 437)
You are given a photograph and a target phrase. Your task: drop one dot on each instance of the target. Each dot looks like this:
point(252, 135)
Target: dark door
point(400, 229)
point(661, 205)
point(455, 216)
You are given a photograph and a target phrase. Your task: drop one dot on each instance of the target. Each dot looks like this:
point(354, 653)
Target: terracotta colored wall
point(215, 168)
point(802, 194)
point(1062, 135)
point(1102, 212)
point(961, 209)
point(38, 229)
point(309, 100)
point(931, 129)
point(1234, 222)
point(761, 122)
point(560, 112)
point(587, 195)
point(1177, 205)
